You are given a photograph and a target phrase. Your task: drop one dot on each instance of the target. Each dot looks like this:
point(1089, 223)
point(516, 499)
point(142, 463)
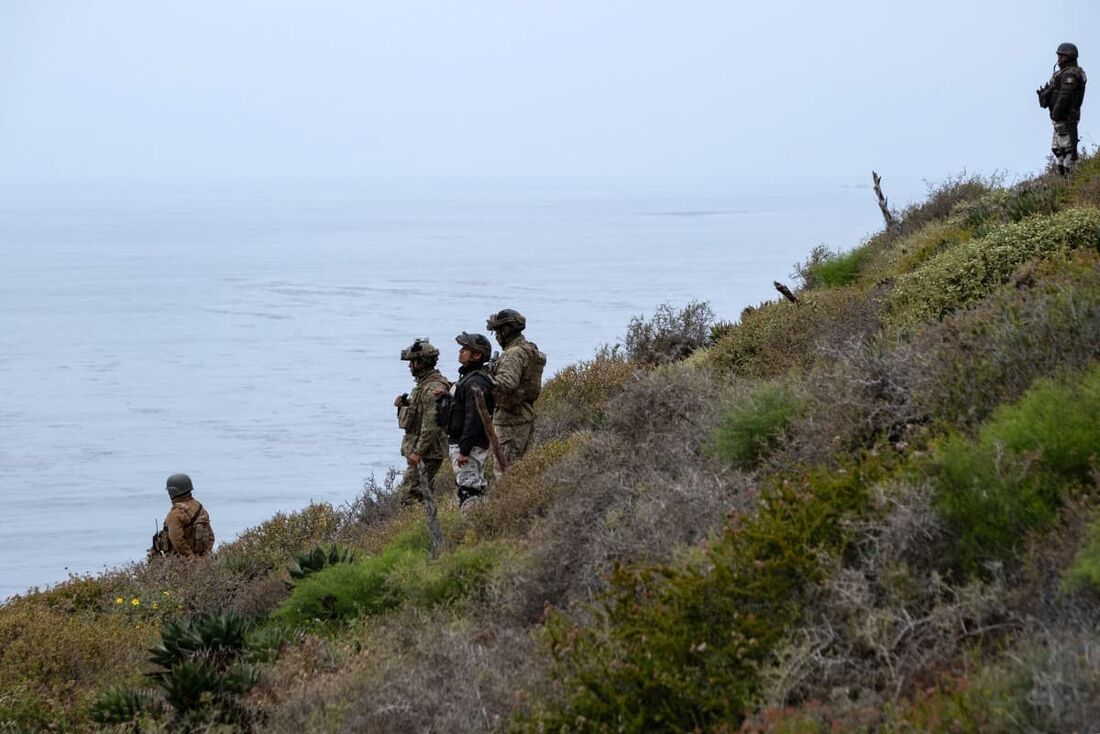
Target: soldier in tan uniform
point(186, 530)
point(424, 439)
point(518, 380)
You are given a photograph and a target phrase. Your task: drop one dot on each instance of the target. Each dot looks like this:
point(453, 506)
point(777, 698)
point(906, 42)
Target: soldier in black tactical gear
point(469, 441)
point(1063, 96)
point(518, 379)
point(416, 414)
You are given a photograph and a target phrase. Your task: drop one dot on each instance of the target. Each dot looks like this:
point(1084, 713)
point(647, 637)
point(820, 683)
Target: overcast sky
point(298, 91)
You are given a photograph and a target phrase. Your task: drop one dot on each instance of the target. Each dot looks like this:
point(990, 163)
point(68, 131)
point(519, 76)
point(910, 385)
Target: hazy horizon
point(340, 91)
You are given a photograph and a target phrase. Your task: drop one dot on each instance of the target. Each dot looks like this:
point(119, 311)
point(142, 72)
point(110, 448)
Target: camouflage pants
point(410, 489)
point(471, 475)
point(515, 439)
point(1064, 144)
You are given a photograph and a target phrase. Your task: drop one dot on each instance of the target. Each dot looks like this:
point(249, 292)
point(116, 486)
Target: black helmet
point(420, 349)
point(506, 317)
point(477, 342)
point(1068, 49)
point(178, 485)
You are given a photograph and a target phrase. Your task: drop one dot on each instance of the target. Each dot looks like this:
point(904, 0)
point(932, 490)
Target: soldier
point(518, 380)
point(186, 530)
point(1063, 96)
point(469, 441)
point(424, 440)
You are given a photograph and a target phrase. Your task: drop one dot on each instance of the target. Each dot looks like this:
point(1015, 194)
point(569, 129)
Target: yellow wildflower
point(154, 605)
point(166, 595)
point(118, 600)
point(135, 602)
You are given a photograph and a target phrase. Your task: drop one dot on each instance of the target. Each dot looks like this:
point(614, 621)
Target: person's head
point(421, 356)
point(505, 324)
point(1067, 54)
point(178, 485)
point(473, 348)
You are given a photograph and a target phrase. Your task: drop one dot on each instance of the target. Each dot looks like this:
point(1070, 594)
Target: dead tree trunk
point(883, 206)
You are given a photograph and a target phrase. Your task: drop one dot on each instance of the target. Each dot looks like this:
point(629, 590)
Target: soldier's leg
point(1062, 148)
point(409, 489)
point(469, 477)
point(515, 439)
point(433, 466)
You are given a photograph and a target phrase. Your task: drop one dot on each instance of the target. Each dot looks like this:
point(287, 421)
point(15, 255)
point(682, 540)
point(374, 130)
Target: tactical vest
point(530, 382)
point(410, 415)
point(197, 530)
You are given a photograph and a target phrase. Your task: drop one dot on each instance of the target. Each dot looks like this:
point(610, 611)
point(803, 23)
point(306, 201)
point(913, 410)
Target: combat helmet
point(421, 349)
point(178, 485)
point(477, 342)
point(506, 317)
point(1068, 49)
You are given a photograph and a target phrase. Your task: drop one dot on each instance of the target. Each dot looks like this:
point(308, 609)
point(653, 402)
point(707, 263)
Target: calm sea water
point(250, 337)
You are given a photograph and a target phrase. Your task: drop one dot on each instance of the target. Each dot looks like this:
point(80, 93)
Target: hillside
point(874, 509)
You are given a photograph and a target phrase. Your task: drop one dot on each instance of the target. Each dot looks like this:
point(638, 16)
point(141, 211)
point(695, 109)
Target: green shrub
point(62, 656)
point(574, 398)
point(1085, 571)
point(752, 425)
point(1012, 205)
point(783, 337)
point(967, 273)
point(272, 544)
point(979, 358)
point(670, 335)
point(677, 647)
point(1011, 478)
point(522, 494)
point(400, 573)
point(837, 269)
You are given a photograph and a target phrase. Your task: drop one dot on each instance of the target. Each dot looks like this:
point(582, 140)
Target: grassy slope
point(851, 514)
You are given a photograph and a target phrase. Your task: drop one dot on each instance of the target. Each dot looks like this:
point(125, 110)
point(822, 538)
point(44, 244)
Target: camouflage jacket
point(514, 360)
point(423, 435)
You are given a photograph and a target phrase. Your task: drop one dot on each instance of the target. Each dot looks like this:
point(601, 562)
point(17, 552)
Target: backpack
point(530, 384)
point(202, 535)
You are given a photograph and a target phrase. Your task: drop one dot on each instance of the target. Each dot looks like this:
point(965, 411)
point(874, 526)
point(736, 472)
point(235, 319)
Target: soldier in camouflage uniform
point(518, 379)
point(1063, 96)
point(424, 440)
point(187, 530)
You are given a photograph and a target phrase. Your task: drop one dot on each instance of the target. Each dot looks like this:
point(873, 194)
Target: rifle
point(1045, 92)
point(487, 421)
point(161, 545)
point(435, 532)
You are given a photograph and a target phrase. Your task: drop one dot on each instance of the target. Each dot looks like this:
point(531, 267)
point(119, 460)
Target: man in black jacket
point(1063, 96)
point(469, 443)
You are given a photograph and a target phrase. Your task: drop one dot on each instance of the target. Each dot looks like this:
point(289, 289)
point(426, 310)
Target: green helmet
point(178, 485)
point(421, 349)
point(506, 317)
point(477, 342)
point(1068, 49)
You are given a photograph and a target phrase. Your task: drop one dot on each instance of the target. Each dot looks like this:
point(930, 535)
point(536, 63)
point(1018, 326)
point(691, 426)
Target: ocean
point(249, 335)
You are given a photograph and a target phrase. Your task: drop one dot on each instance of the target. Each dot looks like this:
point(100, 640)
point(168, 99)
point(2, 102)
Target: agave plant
point(320, 557)
point(215, 637)
point(121, 705)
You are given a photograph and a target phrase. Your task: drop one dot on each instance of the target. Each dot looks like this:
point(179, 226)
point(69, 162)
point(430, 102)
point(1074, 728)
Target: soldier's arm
point(510, 369)
point(429, 431)
point(174, 524)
